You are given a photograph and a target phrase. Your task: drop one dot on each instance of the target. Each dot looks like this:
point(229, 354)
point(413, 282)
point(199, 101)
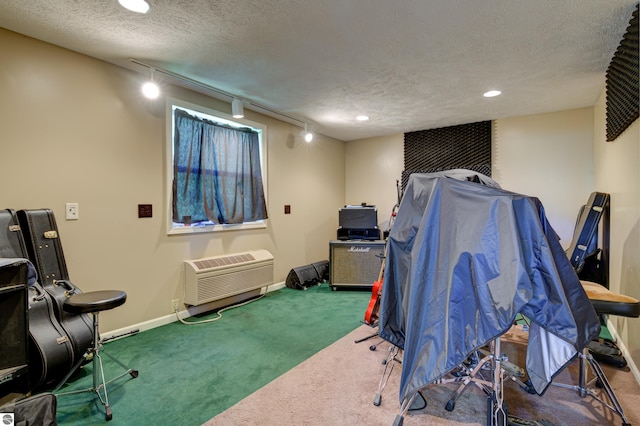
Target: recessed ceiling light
point(362, 117)
point(140, 6)
point(491, 93)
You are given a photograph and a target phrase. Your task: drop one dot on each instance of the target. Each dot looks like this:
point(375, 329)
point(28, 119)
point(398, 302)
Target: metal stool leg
point(99, 382)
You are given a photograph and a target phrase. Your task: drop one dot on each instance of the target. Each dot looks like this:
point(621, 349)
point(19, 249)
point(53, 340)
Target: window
point(215, 171)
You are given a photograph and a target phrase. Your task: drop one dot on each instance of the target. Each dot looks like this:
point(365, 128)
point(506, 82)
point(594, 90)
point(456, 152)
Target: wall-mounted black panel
point(466, 146)
point(623, 106)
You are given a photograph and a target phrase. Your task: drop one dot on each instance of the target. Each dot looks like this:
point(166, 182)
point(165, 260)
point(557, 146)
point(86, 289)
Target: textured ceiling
point(408, 64)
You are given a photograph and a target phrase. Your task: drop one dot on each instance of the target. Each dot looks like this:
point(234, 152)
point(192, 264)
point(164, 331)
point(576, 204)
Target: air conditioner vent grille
point(220, 277)
point(217, 262)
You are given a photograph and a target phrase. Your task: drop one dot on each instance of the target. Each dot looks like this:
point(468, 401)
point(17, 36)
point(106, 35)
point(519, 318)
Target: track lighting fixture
point(308, 136)
point(150, 89)
point(237, 109)
point(237, 104)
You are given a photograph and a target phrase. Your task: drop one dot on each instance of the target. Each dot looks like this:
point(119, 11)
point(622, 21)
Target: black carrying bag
point(37, 410)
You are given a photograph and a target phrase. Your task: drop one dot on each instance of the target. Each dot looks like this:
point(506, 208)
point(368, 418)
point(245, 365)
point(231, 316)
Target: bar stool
point(95, 302)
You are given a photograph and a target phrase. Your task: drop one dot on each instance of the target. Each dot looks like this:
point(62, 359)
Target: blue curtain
point(216, 173)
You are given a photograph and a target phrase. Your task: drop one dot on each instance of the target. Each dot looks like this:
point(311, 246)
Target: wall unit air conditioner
point(215, 278)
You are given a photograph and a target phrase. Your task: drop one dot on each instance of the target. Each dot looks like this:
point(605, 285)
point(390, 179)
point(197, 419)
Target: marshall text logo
point(354, 249)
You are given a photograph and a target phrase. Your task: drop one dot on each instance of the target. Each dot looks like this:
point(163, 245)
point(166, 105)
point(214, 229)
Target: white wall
point(76, 129)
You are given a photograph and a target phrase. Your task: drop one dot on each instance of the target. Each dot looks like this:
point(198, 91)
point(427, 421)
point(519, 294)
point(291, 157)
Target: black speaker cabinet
point(323, 269)
point(302, 277)
point(355, 263)
point(13, 328)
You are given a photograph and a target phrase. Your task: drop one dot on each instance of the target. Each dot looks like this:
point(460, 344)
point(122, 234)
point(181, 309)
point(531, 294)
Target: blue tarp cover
point(464, 257)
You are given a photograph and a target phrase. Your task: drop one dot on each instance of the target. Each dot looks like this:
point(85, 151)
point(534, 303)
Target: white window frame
point(219, 117)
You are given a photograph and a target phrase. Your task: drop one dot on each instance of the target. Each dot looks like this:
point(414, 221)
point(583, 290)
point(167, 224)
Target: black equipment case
point(50, 351)
point(37, 410)
point(584, 242)
point(44, 248)
point(358, 223)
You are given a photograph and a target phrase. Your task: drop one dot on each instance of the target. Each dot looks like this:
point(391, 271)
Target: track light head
point(150, 89)
point(237, 109)
point(308, 136)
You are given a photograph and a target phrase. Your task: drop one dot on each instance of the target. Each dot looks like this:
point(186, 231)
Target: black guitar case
point(42, 239)
point(584, 239)
point(11, 242)
point(50, 351)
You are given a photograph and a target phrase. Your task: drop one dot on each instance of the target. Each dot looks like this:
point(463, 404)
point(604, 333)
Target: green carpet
point(190, 373)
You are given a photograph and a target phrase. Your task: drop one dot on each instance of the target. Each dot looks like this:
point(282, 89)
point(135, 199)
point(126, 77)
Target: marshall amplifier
point(355, 263)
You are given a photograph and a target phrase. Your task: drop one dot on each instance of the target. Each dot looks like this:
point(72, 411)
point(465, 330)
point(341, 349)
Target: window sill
point(197, 229)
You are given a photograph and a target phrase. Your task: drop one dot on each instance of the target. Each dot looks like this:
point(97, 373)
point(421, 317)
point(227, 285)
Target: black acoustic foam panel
point(622, 82)
point(466, 146)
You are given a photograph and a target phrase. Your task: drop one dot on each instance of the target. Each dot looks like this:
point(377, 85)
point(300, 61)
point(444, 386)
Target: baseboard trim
point(186, 313)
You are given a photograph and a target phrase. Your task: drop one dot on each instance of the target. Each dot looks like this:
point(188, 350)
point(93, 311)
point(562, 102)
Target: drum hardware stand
point(389, 362)
point(496, 407)
point(600, 380)
point(371, 336)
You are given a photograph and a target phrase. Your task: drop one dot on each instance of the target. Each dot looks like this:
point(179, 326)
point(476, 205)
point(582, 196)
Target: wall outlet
point(174, 305)
point(72, 211)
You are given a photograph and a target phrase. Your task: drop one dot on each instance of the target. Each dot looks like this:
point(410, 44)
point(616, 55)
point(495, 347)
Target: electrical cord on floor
point(219, 313)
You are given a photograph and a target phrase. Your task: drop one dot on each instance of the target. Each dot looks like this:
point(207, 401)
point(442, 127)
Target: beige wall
point(372, 168)
point(549, 156)
point(617, 172)
point(75, 129)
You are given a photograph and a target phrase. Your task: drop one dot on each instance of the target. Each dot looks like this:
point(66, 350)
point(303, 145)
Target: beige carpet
point(337, 386)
